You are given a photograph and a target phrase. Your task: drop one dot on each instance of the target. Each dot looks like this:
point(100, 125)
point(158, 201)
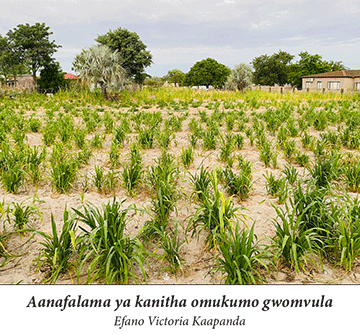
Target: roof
point(336, 74)
point(70, 76)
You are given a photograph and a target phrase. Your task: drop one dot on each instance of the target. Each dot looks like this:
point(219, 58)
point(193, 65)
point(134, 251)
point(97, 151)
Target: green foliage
point(240, 77)
point(51, 78)
point(22, 214)
point(207, 72)
point(99, 65)
point(162, 179)
point(154, 82)
point(238, 185)
point(112, 253)
point(33, 44)
point(352, 176)
point(187, 156)
point(271, 70)
point(294, 244)
point(11, 62)
point(133, 171)
point(310, 64)
point(175, 76)
point(325, 170)
point(201, 183)
point(215, 214)
point(291, 173)
point(171, 244)
point(58, 249)
point(242, 257)
point(63, 171)
point(349, 242)
point(133, 56)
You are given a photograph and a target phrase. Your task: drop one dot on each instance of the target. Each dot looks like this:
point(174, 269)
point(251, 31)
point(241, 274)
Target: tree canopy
point(133, 54)
point(11, 63)
point(311, 64)
point(175, 76)
point(52, 78)
point(240, 77)
point(100, 65)
point(32, 45)
point(207, 72)
point(272, 70)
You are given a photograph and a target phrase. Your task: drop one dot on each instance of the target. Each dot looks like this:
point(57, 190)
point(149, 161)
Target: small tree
point(240, 77)
point(99, 65)
point(175, 76)
point(154, 82)
point(207, 72)
point(52, 78)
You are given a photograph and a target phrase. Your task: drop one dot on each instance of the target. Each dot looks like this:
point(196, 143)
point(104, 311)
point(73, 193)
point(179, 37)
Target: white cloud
point(272, 19)
point(230, 31)
point(67, 52)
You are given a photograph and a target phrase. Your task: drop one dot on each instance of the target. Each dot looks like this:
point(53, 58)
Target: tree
point(52, 78)
point(11, 63)
point(272, 70)
point(134, 56)
point(207, 72)
point(154, 82)
point(100, 65)
point(175, 76)
point(311, 64)
point(240, 77)
point(32, 45)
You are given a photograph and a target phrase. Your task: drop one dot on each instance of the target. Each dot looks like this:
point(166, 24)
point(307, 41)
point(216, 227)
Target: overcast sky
point(179, 33)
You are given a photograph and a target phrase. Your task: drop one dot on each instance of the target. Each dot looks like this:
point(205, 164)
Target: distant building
point(69, 76)
point(22, 82)
point(341, 81)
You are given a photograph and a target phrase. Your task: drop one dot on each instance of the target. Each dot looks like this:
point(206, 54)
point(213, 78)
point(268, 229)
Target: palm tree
point(99, 65)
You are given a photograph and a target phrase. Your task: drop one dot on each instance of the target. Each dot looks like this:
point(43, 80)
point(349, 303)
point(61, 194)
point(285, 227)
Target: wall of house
point(357, 84)
point(25, 82)
point(329, 84)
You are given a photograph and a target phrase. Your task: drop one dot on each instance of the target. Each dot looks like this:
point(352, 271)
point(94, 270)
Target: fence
point(275, 89)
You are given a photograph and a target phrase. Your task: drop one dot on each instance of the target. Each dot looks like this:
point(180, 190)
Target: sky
point(178, 33)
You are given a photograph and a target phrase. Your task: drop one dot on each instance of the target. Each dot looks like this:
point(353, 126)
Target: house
point(341, 81)
point(23, 82)
point(69, 76)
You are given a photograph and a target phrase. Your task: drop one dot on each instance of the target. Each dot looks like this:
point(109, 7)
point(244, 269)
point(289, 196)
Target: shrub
point(133, 171)
point(57, 249)
point(63, 173)
point(187, 156)
point(238, 185)
point(201, 183)
point(112, 253)
point(215, 214)
point(292, 243)
point(241, 257)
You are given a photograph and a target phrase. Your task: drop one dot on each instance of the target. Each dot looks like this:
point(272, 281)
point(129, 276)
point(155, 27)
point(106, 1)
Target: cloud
point(181, 32)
